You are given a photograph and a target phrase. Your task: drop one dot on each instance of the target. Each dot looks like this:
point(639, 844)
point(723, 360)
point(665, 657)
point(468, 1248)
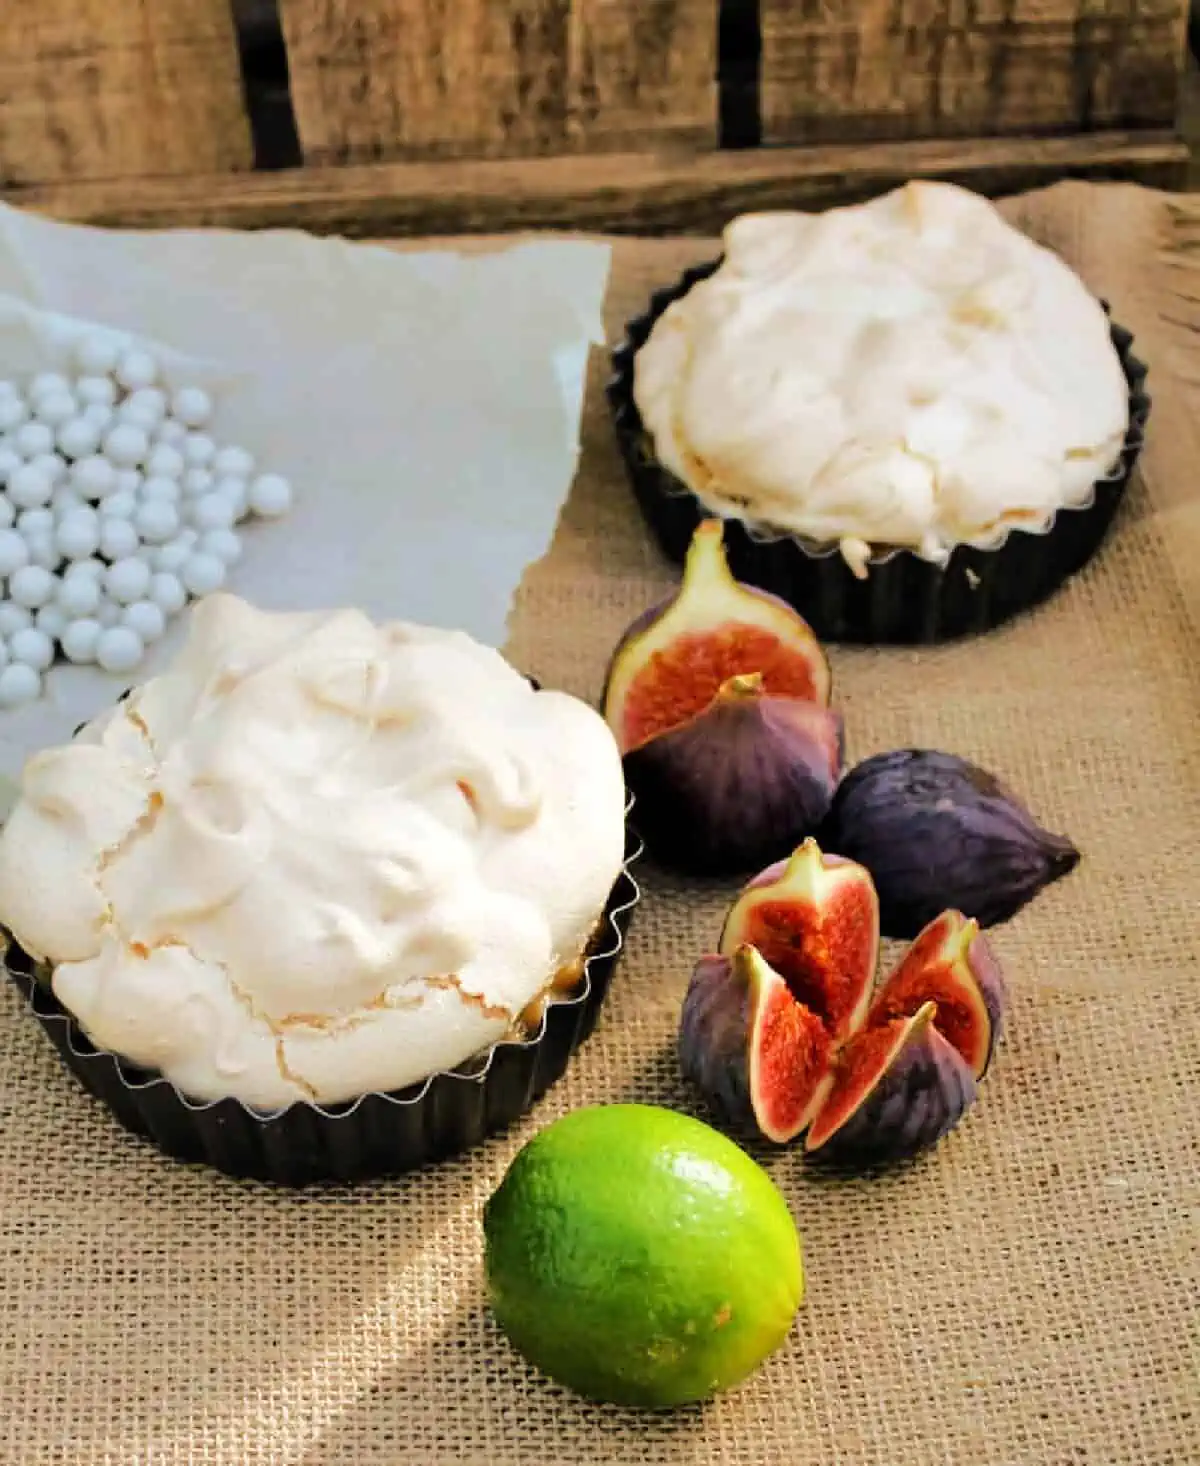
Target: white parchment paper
point(425, 406)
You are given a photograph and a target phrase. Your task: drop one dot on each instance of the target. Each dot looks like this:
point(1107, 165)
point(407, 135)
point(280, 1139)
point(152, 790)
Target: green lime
point(640, 1257)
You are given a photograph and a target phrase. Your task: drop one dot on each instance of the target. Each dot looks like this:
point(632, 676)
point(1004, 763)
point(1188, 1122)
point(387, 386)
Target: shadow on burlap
point(1025, 1296)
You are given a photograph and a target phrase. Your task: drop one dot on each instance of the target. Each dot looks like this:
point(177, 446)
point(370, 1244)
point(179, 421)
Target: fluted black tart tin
point(373, 1136)
point(903, 599)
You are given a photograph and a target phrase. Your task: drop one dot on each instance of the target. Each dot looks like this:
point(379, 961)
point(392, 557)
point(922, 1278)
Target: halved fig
point(815, 919)
point(950, 964)
point(759, 1058)
point(897, 1090)
point(672, 660)
point(746, 778)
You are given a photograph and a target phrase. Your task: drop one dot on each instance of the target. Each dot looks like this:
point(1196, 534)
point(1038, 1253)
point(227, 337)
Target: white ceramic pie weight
point(425, 407)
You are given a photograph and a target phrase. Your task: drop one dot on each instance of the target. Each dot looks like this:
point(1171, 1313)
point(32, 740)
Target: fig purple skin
point(993, 989)
point(922, 1096)
point(714, 1025)
point(937, 831)
point(739, 785)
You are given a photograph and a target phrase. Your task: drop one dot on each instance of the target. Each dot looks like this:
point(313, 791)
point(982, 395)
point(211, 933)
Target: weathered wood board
point(385, 79)
point(119, 89)
point(857, 70)
point(419, 116)
point(617, 193)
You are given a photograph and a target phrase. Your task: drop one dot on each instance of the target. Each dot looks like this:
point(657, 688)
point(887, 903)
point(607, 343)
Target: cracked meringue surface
point(317, 857)
point(912, 372)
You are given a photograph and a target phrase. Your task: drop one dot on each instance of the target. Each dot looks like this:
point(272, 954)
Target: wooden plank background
point(419, 116)
point(388, 79)
point(856, 70)
point(616, 193)
point(119, 88)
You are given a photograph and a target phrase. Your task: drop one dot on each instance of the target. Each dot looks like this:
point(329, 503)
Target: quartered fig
point(672, 661)
point(758, 1056)
point(897, 1090)
point(780, 1033)
point(950, 964)
point(936, 831)
point(815, 919)
point(748, 776)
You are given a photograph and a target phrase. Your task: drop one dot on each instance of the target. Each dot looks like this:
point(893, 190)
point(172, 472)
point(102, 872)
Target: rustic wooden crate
point(376, 117)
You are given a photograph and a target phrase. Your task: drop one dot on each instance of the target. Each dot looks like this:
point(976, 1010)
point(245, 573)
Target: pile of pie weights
point(117, 509)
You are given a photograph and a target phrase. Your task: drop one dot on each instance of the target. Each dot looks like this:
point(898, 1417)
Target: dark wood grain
point(676, 193)
point(375, 79)
point(387, 79)
point(116, 88)
point(642, 74)
point(847, 70)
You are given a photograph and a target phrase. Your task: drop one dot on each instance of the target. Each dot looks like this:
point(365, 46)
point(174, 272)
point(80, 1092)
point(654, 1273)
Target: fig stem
point(705, 564)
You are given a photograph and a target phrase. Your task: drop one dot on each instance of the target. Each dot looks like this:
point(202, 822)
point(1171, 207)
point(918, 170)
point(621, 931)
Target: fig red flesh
point(817, 925)
point(790, 1052)
point(860, 1066)
point(757, 1056)
point(897, 1090)
point(950, 964)
point(683, 678)
point(671, 661)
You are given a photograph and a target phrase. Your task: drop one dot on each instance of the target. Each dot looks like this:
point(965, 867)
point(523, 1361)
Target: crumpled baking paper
point(425, 406)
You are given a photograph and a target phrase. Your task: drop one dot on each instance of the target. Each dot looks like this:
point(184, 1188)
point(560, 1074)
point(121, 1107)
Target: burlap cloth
point(1026, 1295)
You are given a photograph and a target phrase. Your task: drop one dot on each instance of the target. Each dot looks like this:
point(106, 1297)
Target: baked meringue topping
point(316, 857)
point(912, 372)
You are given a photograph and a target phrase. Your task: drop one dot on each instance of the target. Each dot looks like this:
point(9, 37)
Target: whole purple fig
point(936, 832)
